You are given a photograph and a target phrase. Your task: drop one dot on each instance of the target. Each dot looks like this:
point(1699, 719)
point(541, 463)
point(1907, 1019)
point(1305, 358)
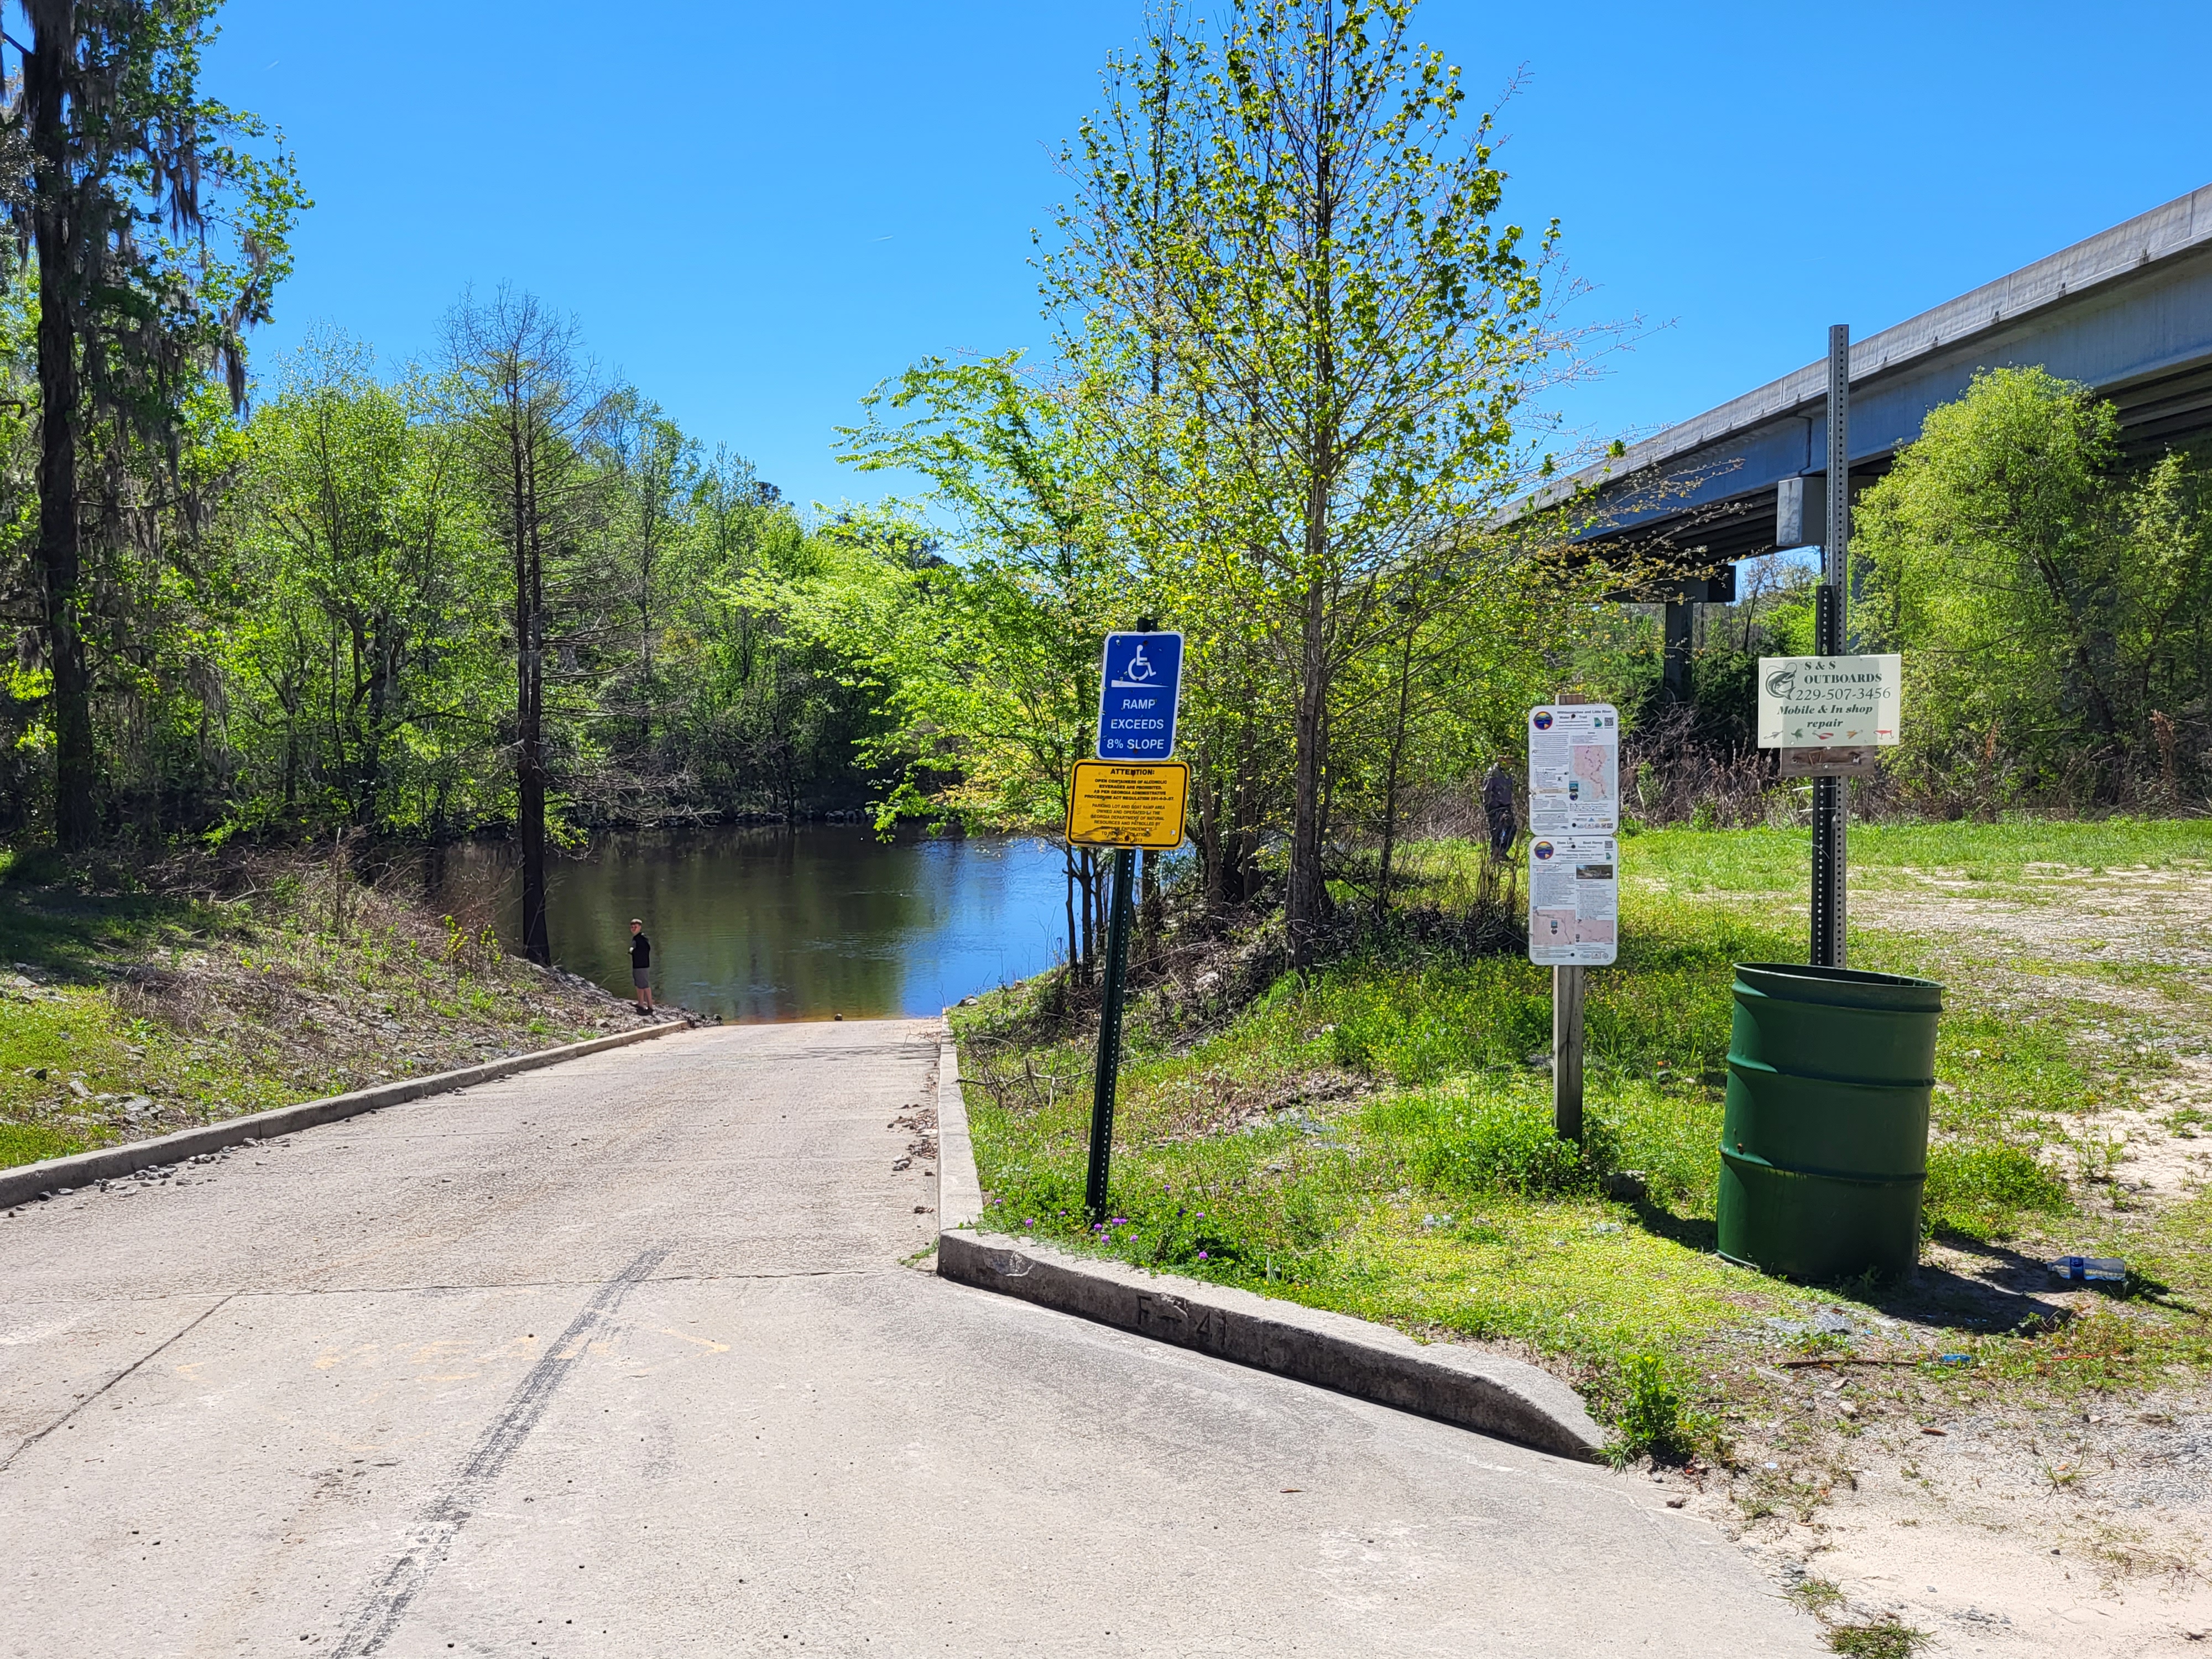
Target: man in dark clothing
point(1498, 808)
point(640, 965)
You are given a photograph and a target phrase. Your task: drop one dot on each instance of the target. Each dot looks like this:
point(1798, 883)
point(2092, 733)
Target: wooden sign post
point(1567, 1052)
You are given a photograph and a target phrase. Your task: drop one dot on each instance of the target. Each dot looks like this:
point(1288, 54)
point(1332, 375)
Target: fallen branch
point(983, 1082)
point(1847, 1359)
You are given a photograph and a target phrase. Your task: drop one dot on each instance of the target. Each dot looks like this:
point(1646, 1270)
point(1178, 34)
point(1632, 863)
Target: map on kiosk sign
point(1809, 703)
point(1574, 901)
point(1127, 804)
point(1574, 768)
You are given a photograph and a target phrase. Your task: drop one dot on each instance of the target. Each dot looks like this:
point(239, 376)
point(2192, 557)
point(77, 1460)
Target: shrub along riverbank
point(1375, 1137)
point(133, 1001)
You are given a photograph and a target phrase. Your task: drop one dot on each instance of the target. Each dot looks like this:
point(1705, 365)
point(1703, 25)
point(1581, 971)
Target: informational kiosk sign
point(1574, 901)
point(1139, 687)
point(1119, 804)
point(1574, 769)
point(1817, 702)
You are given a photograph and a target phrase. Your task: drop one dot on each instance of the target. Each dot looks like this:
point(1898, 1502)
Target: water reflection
point(801, 924)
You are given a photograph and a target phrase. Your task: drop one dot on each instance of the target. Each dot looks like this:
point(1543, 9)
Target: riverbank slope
point(139, 998)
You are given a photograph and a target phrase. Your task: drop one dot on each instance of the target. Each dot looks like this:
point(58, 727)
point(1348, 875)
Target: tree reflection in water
point(765, 924)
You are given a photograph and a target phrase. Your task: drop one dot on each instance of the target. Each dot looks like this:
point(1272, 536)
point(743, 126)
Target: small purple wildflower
point(1029, 1222)
point(1201, 1255)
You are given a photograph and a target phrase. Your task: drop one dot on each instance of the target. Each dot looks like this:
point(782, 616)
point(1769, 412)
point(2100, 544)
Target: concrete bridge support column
point(1674, 661)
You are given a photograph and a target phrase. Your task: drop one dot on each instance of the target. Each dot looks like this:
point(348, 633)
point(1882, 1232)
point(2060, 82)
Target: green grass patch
point(1663, 1011)
point(1472, 1143)
point(1692, 863)
point(80, 1033)
point(1644, 1401)
point(28, 1143)
point(1986, 1191)
point(1877, 1638)
point(1442, 1201)
point(1997, 1071)
point(1821, 1597)
point(1376, 1137)
point(72, 927)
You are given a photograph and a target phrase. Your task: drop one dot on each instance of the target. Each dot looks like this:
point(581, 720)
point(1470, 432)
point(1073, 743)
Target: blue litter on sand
point(2090, 1269)
point(1954, 1359)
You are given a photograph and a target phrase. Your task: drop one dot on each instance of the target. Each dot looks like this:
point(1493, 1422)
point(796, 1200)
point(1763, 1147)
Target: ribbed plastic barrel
point(1824, 1145)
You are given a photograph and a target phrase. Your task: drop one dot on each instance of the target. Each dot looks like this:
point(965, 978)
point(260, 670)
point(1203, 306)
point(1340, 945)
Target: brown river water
point(771, 924)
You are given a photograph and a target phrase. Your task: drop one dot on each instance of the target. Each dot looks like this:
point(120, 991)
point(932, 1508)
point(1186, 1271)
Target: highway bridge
point(2128, 312)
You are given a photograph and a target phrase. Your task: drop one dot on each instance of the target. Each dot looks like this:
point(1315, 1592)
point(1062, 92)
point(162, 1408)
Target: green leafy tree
point(1284, 213)
point(993, 676)
point(2051, 605)
point(1002, 698)
point(365, 609)
point(153, 237)
point(654, 471)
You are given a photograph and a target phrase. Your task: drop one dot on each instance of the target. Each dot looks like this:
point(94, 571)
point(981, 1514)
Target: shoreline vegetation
point(136, 999)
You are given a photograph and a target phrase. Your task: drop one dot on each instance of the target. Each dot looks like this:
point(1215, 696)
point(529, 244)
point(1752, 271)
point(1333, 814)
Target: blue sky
point(758, 212)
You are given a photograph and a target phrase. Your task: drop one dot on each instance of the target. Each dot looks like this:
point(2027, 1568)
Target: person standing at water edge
point(1498, 808)
point(640, 965)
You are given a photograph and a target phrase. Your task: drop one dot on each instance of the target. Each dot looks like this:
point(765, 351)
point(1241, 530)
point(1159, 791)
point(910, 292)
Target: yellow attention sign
point(1127, 804)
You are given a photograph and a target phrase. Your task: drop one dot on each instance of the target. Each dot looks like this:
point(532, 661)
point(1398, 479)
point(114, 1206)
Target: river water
point(768, 924)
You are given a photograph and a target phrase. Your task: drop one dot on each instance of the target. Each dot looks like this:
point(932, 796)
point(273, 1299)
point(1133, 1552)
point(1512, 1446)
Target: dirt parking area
point(2012, 1514)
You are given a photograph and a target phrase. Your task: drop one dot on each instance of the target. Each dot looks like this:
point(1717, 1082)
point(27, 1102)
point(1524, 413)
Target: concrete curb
point(959, 1196)
point(27, 1182)
point(1492, 1394)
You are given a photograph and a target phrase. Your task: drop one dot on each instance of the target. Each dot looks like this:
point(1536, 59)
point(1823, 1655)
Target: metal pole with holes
point(1108, 1074)
point(1831, 801)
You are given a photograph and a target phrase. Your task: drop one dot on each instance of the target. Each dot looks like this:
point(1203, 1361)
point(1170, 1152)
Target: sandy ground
point(2082, 1533)
point(2055, 1533)
point(2143, 915)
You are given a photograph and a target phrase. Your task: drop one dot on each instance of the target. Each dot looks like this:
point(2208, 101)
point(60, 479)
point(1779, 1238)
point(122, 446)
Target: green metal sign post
point(1108, 1074)
point(1139, 690)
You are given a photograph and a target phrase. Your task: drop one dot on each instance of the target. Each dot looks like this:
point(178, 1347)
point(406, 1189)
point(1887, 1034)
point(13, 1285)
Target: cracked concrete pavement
point(622, 1357)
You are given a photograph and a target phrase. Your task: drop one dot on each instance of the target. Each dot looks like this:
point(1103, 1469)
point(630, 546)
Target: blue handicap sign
point(1137, 692)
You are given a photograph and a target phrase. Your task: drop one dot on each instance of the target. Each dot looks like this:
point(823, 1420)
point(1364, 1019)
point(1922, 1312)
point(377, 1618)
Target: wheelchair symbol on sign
point(1138, 674)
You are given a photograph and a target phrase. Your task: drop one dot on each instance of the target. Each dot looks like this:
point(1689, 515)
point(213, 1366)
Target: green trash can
point(1824, 1145)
